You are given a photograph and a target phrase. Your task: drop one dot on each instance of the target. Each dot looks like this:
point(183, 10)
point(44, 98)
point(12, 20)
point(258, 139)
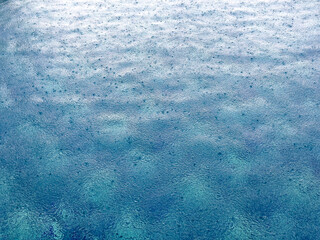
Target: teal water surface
point(160, 120)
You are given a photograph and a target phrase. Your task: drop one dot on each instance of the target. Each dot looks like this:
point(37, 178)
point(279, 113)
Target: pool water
point(169, 119)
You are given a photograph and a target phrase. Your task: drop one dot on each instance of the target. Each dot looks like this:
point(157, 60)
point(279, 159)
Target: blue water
point(159, 119)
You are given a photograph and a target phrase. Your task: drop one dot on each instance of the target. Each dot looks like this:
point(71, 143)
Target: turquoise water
point(159, 119)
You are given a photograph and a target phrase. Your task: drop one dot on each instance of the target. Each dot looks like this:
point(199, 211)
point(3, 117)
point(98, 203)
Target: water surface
point(159, 119)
